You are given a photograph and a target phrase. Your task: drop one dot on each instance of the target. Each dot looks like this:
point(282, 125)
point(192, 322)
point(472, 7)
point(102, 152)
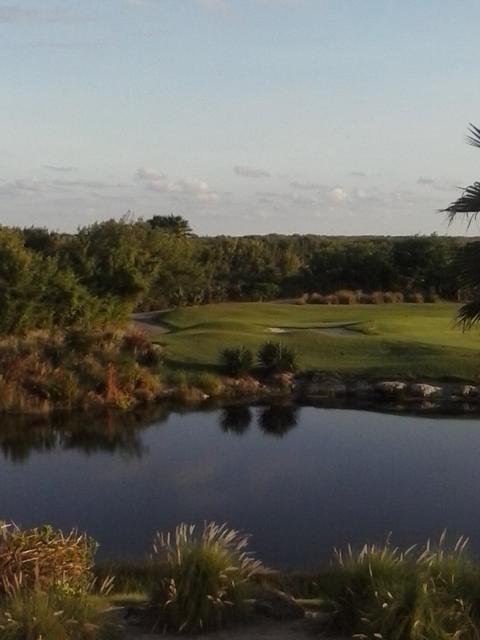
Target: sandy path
point(267, 630)
point(149, 321)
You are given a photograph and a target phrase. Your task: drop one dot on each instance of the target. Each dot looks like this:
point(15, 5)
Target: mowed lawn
point(408, 340)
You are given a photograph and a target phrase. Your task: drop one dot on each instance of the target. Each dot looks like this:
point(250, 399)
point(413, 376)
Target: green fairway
point(408, 340)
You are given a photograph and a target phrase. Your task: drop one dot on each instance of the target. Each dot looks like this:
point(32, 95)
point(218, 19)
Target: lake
point(301, 480)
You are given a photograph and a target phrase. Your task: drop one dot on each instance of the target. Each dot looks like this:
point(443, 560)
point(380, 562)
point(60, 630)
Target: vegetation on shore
point(77, 369)
point(193, 354)
point(205, 578)
point(105, 271)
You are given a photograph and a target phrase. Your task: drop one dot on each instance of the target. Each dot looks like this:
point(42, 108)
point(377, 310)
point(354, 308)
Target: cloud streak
point(250, 172)
point(18, 14)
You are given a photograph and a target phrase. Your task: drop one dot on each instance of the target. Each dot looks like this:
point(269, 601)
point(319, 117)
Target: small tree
point(275, 357)
point(236, 361)
point(468, 205)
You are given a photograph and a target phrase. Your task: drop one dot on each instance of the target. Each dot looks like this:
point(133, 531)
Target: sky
point(244, 116)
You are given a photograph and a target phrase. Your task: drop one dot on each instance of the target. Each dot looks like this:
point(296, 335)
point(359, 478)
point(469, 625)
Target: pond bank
point(334, 390)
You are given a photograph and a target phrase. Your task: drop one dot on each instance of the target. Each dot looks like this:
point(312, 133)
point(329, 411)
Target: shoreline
point(397, 395)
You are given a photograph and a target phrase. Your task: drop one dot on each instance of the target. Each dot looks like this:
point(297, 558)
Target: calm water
point(301, 481)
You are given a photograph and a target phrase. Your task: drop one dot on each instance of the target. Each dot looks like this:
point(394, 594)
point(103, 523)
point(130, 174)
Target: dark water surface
point(300, 480)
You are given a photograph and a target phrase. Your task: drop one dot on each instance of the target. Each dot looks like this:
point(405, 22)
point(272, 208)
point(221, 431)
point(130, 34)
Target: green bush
point(202, 577)
point(236, 361)
point(431, 593)
point(275, 357)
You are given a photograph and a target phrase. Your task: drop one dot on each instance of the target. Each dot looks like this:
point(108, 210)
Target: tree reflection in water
point(278, 419)
point(109, 433)
point(235, 419)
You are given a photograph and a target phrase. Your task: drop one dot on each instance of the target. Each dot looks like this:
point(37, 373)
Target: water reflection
point(335, 477)
point(236, 419)
point(123, 433)
point(110, 433)
point(278, 420)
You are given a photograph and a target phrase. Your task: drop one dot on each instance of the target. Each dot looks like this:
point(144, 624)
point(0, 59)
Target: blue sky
point(245, 116)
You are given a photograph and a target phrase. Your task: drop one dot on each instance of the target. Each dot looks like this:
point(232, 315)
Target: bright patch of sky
point(245, 116)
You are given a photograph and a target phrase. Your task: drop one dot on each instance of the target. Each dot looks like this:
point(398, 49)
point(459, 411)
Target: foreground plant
point(44, 558)
point(55, 614)
point(429, 593)
point(204, 575)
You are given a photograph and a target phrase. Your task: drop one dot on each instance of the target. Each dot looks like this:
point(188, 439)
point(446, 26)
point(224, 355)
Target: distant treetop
point(171, 224)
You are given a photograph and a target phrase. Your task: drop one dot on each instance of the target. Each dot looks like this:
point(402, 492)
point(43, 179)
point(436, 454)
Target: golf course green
point(407, 340)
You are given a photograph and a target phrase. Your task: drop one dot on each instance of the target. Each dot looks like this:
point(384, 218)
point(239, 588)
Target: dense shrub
point(275, 357)
point(236, 361)
point(377, 297)
point(44, 558)
point(202, 577)
point(381, 592)
point(415, 298)
point(316, 298)
point(346, 297)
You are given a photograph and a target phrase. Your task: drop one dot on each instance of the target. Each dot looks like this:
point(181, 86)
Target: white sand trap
point(331, 331)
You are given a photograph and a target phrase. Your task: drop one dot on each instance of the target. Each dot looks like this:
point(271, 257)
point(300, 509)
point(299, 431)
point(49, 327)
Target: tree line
point(107, 270)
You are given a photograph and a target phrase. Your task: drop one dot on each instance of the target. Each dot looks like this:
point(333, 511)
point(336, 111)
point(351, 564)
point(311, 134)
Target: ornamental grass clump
point(429, 593)
point(236, 361)
point(44, 558)
point(54, 615)
point(203, 578)
point(275, 357)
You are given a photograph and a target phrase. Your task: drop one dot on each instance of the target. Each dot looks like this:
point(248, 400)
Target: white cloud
point(156, 181)
point(149, 174)
point(250, 172)
point(337, 195)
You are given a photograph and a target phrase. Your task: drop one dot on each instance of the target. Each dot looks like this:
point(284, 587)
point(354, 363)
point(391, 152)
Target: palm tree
point(468, 259)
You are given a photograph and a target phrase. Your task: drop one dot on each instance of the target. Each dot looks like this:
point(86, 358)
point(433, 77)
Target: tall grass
point(54, 615)
point(203, 577)
point(429, 593)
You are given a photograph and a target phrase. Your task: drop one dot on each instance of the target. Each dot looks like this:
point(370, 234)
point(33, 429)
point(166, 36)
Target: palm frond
point(474, 137)
point(469, 314)
point(468, 204)
point(466, 265)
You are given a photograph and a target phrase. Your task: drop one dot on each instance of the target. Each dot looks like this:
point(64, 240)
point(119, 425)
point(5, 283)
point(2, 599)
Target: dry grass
point(44, 558)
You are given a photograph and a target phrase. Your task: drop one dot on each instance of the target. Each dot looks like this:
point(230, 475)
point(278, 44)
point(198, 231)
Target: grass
point(205, 576)
point(405, 340)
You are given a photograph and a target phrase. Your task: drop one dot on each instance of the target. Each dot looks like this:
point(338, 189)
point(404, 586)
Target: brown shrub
point(346, 297)
point(316, 298)
point(377, 297)
point(44, 558)
point(365, 298)
point(432, 298)
point(415, 298)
